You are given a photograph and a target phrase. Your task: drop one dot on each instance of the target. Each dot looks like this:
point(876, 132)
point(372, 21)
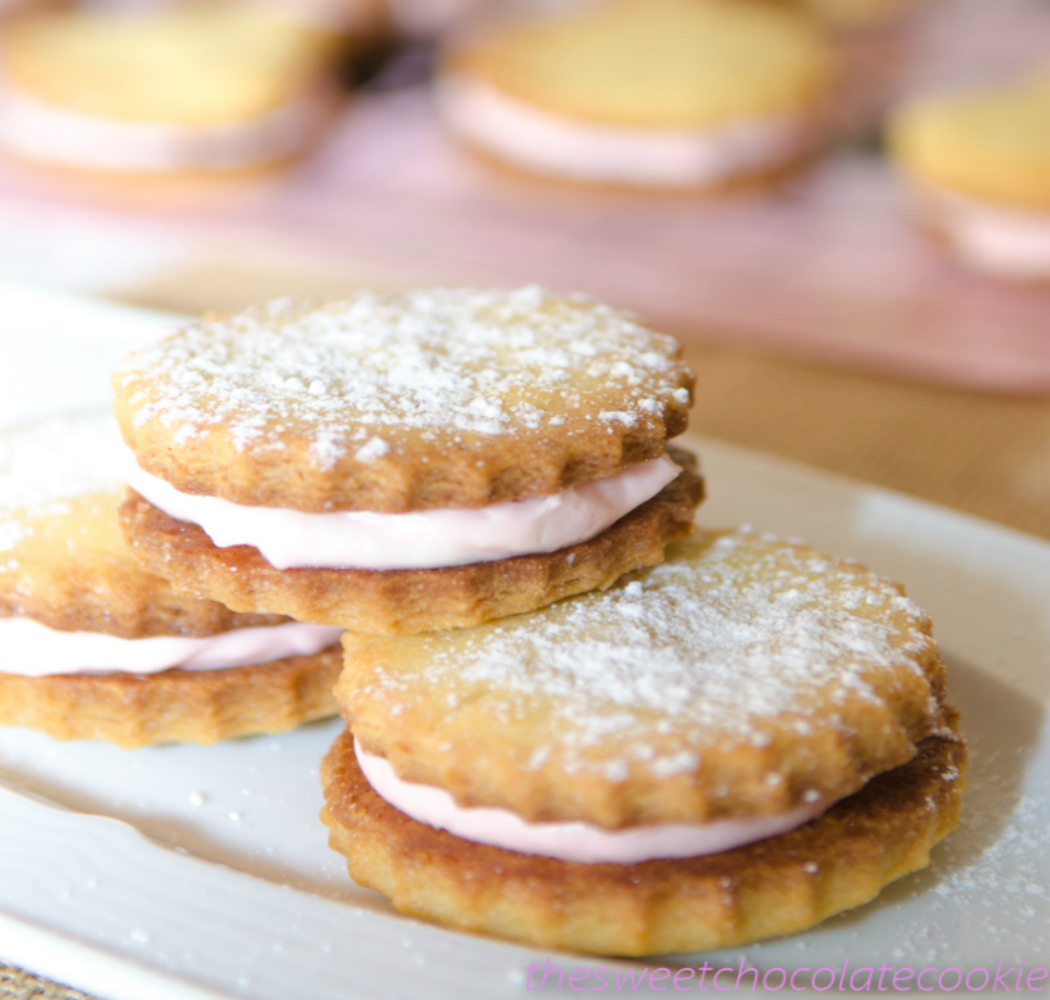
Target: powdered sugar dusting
point(45, 464)
point(730, 633)
point(352, 373)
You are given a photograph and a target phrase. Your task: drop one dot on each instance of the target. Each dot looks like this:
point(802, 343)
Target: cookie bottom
point(774, 887)
point(758, 180)
point(409, 601)
point(186, 706)
point(947, 240)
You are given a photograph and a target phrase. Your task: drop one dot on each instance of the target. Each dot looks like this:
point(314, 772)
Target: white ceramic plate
point(189, 872)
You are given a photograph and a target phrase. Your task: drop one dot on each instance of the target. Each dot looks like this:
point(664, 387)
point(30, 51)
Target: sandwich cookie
point(404, 462)
point(193, 91)
point(980, 164)
point(94, 647)
point(643, 93)
point(735, 744)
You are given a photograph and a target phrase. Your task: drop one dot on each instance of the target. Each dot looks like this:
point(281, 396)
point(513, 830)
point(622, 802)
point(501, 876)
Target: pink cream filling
point(420, 539)
point(579, 842)
point(43, 131)
point(1010, 242)
point(539, 140)
point(34, 650)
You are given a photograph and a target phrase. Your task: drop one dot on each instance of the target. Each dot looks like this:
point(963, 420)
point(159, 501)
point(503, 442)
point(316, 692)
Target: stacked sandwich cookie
point(94, 647)
point(660, 94)
point(979, 162)
point(406, 462)
point(171, 94)
point(735, 744)
point(571, 720)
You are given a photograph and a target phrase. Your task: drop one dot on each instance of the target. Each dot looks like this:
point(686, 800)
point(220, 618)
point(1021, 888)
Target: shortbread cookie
point(742, 677)
point(95, 647)
point(980, 162)
point(192, 91)
point(406, 462)
point(744, 692)
point(777, 886)
point(650, 93)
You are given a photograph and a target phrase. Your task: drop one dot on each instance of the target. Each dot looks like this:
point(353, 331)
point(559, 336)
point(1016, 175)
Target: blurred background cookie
point(96, 648)
point(194, 91)
point(649, 93)
point(980, 163)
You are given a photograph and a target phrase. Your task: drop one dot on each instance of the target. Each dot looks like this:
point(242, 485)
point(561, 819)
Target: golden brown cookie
point(63, 559)
point(171, 92)
point(979, 162)
point(392, 403)
point(777, 886)
point(652, 93)
point(186, 706)
point(406, 461)
point(743, 677)
point(411, 600)
point(991, 144)
point(96, 647)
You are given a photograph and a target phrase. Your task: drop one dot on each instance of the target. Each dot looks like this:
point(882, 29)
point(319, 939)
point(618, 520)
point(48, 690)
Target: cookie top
point(742, 677)
point(63, 559)
point(991, 144)
point(398, 402)
point(182, 67)
point(660, 64)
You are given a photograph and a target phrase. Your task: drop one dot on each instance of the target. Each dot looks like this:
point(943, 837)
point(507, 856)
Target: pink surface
point(830, 268)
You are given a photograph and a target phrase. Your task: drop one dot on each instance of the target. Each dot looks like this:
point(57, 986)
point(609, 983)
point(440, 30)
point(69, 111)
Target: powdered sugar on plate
point(350, 374)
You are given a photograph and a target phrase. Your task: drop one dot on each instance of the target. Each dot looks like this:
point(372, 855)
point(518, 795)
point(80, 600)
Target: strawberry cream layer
point(536, 139)
point(42, 131)
point(419, 540)
point(579, 842)
point(34, 650)
point(1010, 242)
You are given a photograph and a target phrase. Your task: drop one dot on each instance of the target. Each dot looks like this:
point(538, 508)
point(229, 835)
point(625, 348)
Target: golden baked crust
point(392, 403)
point(991, 144)
point(657, 64)
point(406, 601)
point(184, 67)
point(743, 676)
point(64, 561)
point(188, 706)
point(777, 886)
